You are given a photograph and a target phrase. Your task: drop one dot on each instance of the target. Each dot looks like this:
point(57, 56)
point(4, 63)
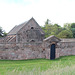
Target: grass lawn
point(62, 66)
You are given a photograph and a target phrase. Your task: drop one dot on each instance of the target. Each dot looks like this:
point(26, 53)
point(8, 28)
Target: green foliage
point(65, 34)
point(67, 26)
point(2, 32)
point(51, 29)
point(73, 25)
point(73, 31)
point(67, 31)
point(47, 21)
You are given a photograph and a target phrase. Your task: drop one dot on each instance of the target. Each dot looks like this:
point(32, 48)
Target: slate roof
point(16, 29)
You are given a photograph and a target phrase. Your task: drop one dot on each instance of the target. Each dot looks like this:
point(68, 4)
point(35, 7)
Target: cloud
point(14, 13)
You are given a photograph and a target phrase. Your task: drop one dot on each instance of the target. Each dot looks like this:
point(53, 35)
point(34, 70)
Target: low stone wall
point(21, 51)
point(67, 48)
point(62, 49)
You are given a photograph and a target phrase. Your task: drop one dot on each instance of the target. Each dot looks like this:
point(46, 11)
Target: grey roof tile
point(16, 29)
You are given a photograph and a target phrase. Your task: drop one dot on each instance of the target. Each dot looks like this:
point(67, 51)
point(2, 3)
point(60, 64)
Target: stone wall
point(63, 48)
point(31, 31)
point(67, 48)
point(21, 51)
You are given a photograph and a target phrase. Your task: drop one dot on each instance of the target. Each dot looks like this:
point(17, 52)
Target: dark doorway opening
point(32, 27)
point(52, 52)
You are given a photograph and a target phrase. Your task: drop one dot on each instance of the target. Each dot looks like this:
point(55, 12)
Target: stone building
point(26, 41)
point(29, 31)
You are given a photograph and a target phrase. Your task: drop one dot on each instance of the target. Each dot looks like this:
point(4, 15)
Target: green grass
point(62, 66)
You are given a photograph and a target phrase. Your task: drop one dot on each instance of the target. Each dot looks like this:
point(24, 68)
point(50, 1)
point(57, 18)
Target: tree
point(57, 29)
point(73, 29)
point(73, 25)
point(65, 34)
point(68, 31)
point(51, 29)
point(2, 32)
point(67, 26)
point(47, 29)
point(47, 21)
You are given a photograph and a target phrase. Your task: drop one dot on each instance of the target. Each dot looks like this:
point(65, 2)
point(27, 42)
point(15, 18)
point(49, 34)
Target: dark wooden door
point(52, 51)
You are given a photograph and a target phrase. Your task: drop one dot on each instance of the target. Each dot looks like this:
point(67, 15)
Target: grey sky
point(14, 12)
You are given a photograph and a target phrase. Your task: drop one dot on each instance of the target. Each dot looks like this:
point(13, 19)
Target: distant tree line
point(67, 31)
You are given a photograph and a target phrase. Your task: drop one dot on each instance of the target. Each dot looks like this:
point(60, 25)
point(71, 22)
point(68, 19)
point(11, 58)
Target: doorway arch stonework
point(48, 43)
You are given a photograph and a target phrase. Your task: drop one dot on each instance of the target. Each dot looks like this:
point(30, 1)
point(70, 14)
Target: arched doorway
point(52, 52)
